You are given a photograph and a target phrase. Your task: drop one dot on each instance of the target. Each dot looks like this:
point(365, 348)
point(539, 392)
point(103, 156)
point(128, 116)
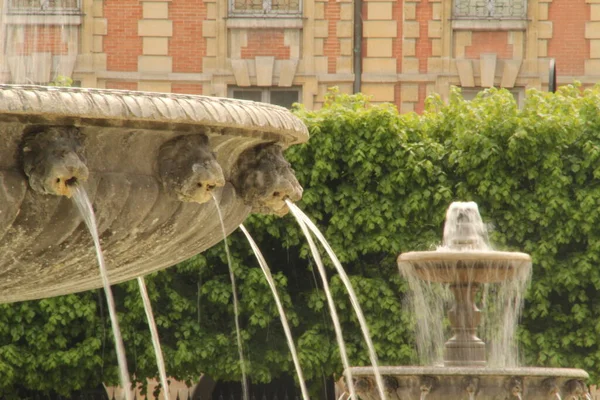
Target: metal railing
point(265, 8)
point(43, 6)
point(490, 9)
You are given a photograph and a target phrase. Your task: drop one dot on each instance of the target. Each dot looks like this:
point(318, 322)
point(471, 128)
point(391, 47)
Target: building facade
point(283, 51)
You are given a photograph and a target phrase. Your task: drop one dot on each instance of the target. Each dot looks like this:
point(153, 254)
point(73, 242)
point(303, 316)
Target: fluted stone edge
point(160, 110)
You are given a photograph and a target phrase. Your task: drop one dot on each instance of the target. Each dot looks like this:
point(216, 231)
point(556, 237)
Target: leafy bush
point(378, 184)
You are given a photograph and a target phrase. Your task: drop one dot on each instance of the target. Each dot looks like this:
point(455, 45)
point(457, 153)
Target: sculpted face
point(265, 180)
point(188, 168)
point(54, 160)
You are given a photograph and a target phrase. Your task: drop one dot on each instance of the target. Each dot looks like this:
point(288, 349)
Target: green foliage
point(61, 80)
point(378, 184)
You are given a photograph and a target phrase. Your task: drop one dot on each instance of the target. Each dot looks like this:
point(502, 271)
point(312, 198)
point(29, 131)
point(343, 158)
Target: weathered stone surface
point(458, 383)
point(188, 168)
point(264, 180)
point(45, 248)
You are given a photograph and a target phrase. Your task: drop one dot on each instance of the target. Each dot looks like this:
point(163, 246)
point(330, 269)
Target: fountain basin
point(460, 383)
point(130, 143)
point(471, 266)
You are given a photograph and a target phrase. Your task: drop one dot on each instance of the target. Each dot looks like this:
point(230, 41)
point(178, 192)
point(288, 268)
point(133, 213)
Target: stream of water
point(353, 298)
point(333, 312)
point(81, 200)
point(160, 362)
point(245, 390)
point(282, 316)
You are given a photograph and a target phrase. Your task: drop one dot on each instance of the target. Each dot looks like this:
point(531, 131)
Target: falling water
point(431, 300)
point(500, 303)
point(245, 391)
point(284, 321)
point(86, 210)
point(160, 362)
point(334, 316)
point(351, 293)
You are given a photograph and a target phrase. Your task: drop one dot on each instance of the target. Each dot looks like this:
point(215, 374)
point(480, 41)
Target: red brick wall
point(397, 95)
point(122, 44)
point(489, 42)
point(424, 47)
point(420, 106)
point(42, 38)
point(266, 42)
point(187, 46)
point(186, 88)
point(331, 48)
point(568, 44)
point(397, 41)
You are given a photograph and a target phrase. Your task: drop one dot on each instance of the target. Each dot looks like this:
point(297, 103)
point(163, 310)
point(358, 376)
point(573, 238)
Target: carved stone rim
point(121, 108)
point(473, 371)
point(463, 255)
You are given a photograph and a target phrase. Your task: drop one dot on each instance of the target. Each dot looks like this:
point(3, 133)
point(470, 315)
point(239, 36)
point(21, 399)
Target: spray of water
point(500, 299)
point(286, 327)
point(334, 316)
point(245, 390)
point(86, 210)
point(500, 305)
point(353, 298)
point(160, 362)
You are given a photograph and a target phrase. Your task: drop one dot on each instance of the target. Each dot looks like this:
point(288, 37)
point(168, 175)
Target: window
point(265, 7)
point(490, 9)
point(283, 97)
point(43, 6)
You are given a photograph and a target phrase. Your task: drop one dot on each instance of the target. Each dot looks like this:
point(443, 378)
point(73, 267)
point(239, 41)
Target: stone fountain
point(464, 264)
point(151, 164)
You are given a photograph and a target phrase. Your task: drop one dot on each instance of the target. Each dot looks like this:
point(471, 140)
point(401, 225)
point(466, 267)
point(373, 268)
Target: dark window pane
point(254, 95)
point(284, 98)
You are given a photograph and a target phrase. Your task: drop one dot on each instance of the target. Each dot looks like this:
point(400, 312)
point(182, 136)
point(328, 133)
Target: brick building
point(283, 51)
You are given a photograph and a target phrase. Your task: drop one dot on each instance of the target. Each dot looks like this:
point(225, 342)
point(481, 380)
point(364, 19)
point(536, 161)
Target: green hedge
point(378, 184)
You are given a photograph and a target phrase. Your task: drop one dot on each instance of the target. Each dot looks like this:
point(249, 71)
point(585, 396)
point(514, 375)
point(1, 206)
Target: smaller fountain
point(466, 267)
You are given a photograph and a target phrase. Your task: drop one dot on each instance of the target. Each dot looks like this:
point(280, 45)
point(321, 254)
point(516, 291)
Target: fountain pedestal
point(464, 265)
point(464, 348)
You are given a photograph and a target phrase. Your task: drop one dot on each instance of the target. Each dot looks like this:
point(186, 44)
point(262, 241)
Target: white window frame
point(266, 11)
point(265, 92)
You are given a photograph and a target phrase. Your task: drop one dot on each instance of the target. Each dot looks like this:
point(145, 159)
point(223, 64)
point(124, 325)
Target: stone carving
point(265, 180)
point(54, 160)
point(188, 168)
point(134, 145)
